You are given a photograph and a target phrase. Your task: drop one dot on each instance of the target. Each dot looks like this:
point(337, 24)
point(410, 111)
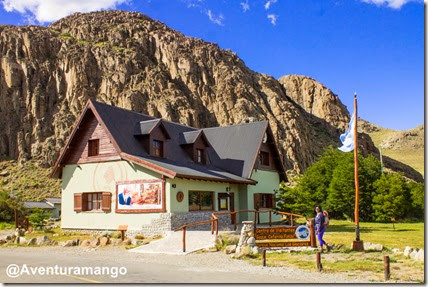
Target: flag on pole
point(347, 138)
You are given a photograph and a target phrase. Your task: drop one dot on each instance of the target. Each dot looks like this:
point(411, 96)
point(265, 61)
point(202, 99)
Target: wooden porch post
point(312, 231)
point(184, 239)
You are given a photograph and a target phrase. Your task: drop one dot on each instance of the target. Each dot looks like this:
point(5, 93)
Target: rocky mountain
point(316, 99)
point(129, 60)
point(405, 146)
point(412, 139)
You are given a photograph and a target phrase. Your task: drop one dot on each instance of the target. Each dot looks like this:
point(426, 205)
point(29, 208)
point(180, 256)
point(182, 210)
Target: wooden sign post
point(122, 229)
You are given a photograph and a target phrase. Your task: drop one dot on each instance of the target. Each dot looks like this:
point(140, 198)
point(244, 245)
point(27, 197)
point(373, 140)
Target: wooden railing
point(214, 220)
point(256, 215)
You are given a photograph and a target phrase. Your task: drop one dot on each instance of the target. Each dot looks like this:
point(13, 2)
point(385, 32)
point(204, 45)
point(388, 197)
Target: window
point(158, 148)
point(264, 158)
point(201, 200)
point(199, 155)
point(223, 202)
point(264, 200)
point(92, 201)
point(89, 201)
point(93, 147)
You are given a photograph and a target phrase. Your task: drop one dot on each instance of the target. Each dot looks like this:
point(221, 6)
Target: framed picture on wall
point(140, 196)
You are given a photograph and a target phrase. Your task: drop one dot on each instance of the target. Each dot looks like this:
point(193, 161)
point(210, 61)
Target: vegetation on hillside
point(23, 182)
point(404, 146)
point(29, 180)
point(330, 183)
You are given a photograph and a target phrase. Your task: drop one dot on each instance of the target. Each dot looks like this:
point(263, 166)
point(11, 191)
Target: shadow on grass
point(343, 228)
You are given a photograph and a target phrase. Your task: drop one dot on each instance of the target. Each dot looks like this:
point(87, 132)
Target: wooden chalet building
point(120, 167)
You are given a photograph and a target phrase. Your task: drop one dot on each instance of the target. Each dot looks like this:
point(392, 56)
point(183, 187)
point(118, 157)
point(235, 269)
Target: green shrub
point(116, 235)
point(38, 218)
point(6, 225)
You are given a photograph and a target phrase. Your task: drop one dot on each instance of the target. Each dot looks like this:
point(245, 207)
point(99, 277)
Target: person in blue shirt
point(320, 227)
point(124, 197)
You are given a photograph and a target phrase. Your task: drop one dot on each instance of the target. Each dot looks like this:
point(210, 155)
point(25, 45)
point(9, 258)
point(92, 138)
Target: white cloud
point(272, 18)
point(245, 6)
point(52, 10)
point(395, 4)
point(216, 19)
point(269, 2)
point(193, 3)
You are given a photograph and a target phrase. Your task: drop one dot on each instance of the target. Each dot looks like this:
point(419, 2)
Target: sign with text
point(278, 232)
point(264, 236)
point(284, 244)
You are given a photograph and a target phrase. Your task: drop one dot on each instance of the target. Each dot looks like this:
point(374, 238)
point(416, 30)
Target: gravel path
point(213, 267)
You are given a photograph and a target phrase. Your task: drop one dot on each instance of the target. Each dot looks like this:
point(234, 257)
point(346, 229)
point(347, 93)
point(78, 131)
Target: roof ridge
point(141, 114)
point(241, 124)
point(150, 120)
point(195, 131)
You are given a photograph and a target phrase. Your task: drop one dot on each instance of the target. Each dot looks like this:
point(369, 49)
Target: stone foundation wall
point(158, 226)
point(168, 222)
point(182, 218)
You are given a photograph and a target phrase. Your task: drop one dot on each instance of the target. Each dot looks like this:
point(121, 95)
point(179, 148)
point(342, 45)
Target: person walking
point(320, 227)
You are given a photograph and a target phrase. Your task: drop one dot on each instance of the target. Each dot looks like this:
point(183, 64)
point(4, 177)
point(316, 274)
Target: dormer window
point(93, 147)
point(157, 148)
point(195, 143)
point(199, 155)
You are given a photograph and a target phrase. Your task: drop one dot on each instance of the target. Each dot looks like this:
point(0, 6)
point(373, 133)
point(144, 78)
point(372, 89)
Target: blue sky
point(372, 47)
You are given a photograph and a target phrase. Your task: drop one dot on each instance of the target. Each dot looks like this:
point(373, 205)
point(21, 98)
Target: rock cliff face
point(129, 60)
point(411, 139)
point(316, 99)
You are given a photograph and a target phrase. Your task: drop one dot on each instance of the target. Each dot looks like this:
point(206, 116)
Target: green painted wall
point(243, 203)
point(267, 182)
point(96, 177)
point(185, 185)
point(102, 177)
point(56, 211)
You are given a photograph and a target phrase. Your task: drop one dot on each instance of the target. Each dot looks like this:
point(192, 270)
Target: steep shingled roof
point(231, 150)
point(235, 148)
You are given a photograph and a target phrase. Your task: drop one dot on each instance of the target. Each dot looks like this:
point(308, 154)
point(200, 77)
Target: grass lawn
point(368, 265)
point(412, 234)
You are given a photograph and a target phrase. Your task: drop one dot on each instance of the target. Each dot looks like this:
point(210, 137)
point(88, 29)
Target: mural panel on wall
point(140, 196)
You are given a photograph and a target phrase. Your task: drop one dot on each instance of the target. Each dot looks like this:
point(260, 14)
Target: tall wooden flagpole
point(358, 244)
point(357, 187)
